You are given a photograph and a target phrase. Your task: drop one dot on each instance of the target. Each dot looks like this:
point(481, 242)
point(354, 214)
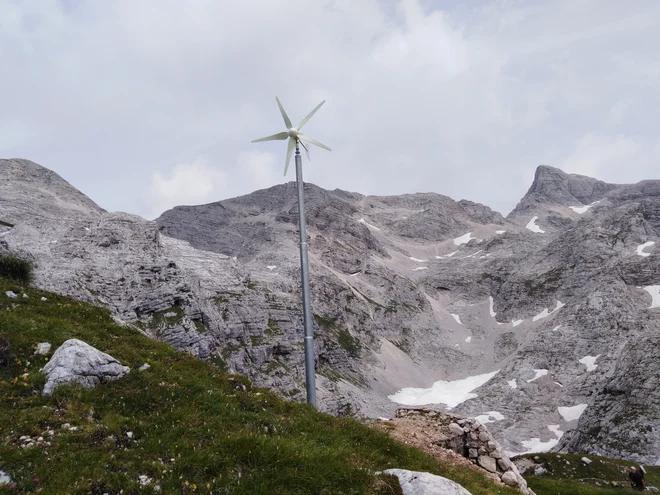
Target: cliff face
point(406, 290)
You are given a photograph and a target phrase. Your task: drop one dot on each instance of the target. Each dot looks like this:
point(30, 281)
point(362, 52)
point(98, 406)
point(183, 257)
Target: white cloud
point(260, 168)
point(185, 184)
point(594, 154)
point(464, 101)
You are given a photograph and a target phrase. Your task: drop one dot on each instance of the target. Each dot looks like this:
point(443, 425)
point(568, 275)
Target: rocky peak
point(29, 191)
point(553, 186)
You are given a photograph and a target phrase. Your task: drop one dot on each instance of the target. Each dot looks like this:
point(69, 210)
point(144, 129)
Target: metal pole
point(307, 305)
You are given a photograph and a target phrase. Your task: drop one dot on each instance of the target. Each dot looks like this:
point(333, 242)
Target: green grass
point(195, 429)
point(580, 479)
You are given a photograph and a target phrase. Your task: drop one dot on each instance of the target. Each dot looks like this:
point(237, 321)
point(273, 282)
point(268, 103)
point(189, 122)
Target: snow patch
point(271, 267)
point(500, 232)
point(362, 220)
point(446, 255)
point(590, 362)
point(355, 274)
point(545, 313)
point(654, 290)
point(531, 225)
point(515, 323)
point(583, 209)
point(492, 306)
point(642, 247)
point(513, 383)
point(464, 239)
point(418, 261)
point(420, 268)
point(450, 393)
point(539, 373)
point(486, 417)
point(572, 413)
point(457, 318)
point(468, 340)
point(536, 446)
point(555, 429)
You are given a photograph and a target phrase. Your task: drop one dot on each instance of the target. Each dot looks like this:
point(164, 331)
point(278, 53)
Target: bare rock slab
point(418, 483)
point(77, 362)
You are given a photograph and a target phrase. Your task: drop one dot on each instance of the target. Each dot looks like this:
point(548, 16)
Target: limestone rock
point(488, 463)
point(43, 348)
point(77, 362)
point(510, 478)
point(419, 483)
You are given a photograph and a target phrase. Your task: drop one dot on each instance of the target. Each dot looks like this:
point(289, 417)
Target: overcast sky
point(146, 104)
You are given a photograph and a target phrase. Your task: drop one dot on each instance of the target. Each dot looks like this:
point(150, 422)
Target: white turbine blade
point(287, 121)
point(306, 151)
point(280, 136)
point(304, 137)
point(289, 150)
point(309, 115)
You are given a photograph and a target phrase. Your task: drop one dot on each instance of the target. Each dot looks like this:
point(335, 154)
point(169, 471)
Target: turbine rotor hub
point(293, 132)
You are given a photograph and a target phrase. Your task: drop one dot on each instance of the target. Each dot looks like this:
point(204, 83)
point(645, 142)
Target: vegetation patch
point(182, 426)
point(566, 473)
point(14, 267)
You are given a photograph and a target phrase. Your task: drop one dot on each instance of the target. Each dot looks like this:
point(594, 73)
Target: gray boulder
point(77, 362)
point(418, 483)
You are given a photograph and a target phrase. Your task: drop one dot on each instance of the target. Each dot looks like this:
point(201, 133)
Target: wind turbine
point(295, 138)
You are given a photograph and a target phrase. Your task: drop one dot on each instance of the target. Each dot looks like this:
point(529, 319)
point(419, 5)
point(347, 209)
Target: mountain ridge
point(406, 290)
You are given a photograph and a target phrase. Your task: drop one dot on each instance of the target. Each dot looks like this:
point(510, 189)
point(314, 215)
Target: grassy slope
point(577, 478)
point(195, 429)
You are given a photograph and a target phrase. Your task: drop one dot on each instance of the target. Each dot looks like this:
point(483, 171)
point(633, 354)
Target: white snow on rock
point(583, 209)
point(418, 261)
point(515, 323)
point(492, 306)
point(539, 374)
point(450, 393)
point(420, 268)
point(362, 220)
point(572, 413)
point(555, 429)
point(654, 290)
point(457, 318)
point(545, 313)
point(444, 256)
point(271, 267)
point(531, 225)
point(513, 383)
point(642, 247)
point(590, 362)
point(500, 232)
point(489, 417)
point(468, 340)
point(77, 362)
point(464, 239)
point(419, 483)
point(536, 446)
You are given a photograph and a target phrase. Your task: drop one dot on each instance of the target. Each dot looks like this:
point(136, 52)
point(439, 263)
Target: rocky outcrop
point(418, 483)
point(464, 436)
point(76, 362)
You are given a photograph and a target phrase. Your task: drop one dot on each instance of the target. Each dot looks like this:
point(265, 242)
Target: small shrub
point(15, 268)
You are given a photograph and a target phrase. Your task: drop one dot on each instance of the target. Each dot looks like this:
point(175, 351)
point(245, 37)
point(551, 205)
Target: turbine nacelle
point(293, 134)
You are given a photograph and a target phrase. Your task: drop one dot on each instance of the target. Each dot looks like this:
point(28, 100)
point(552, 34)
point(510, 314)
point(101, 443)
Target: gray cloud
point(143, 105)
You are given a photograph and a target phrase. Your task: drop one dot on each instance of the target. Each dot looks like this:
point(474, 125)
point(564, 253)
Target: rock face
point(80, 363)
point(406, 290)
point(418, 483)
